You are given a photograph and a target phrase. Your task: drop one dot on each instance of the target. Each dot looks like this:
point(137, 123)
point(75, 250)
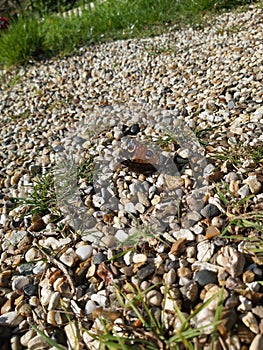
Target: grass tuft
point(45, 34)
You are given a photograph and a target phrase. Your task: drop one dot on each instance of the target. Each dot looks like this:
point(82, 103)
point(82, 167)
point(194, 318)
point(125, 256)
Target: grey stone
point(210, 211)
point(204, 277)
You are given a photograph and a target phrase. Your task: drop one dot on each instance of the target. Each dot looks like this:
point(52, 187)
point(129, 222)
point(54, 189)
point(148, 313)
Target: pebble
point(139, 258)
point(250, 321)
point(253, 184)
point(20, 282)
point(154, 297)
point(37, 343)
point(210, 294)
point(69, 257)
point(98, 258)
point(10, 319)
point(210, 211)
point(205, 250)
point(257, 342)
point(204, 277)
point(84, 252)
point(232, 261)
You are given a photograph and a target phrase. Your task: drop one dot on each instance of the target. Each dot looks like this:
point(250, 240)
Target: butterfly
point(142, 158)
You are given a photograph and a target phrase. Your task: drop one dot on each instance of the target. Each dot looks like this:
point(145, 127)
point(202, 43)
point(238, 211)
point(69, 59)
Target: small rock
point(24, 309)
point(258, 311)
point(40, 267)
point(98, 258)
point(54, 301)
point(243, 191)
point(228, 319)
point(99, 298)
point(205, 250)
point(90, 307)
point(248, 276)
point(232, 260)
point(19, 282)
point(204, 277)
point(245, 304)
point(32, 254)
point(146, 271)
point(210, 294)
point(26, 337)
point(250, 321)
point(184, 233)
point(54, 318)
point(11, 319)
point(253, 184)
point(257, 342)
point(170, 277)
point(30, 290)
point(134, 129)
point(7, 306)
point(130, 208)
point(210, 211)
point(154, 297)
point(184, 272)
point(190, 291)
point(212, 231)
point(139, 258)
point(121, 235)
point(204, 319)
point(84, 252)
point(69, 257)
point(37, 343)
point(143, 199)
point(5, 277)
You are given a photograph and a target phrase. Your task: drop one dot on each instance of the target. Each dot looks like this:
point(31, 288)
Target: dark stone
point(146, 271)
point(134, 129)
point(204, 277)
point(210, 211)
point(98, 258)
point(30, 290)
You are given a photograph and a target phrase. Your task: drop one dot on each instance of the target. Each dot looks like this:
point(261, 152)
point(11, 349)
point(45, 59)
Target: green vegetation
point(42, 199)
point(38, 32)
point(148, 332)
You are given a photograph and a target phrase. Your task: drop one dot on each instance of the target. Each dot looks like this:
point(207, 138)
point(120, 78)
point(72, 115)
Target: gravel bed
point(131, 174)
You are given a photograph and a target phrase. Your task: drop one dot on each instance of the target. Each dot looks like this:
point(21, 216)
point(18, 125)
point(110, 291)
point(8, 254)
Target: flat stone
point(253, 184)
point(257, 342)
point(210, 211)
point(250, 321)
point(19, 282)
point(204, 277)
point(232, 260)
point(154, 297)
point(10, 319)
point(84, 252)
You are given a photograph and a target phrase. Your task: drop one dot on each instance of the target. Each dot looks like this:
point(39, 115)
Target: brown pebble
point(184, 272)
point(248, 276)
point(5, 278)
point(6, 307)
point(212, 232)
point(178, 246)
point(38, 225)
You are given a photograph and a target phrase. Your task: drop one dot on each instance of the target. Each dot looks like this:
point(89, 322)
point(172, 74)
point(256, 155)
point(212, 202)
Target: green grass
point(152, 334)
point(42, 198)
point(32, 37)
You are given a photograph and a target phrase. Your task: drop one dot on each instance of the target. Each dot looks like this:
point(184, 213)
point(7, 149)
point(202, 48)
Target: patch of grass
point(34, 36)
point(25, 39)
point(42, 198)
point(151, 333)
